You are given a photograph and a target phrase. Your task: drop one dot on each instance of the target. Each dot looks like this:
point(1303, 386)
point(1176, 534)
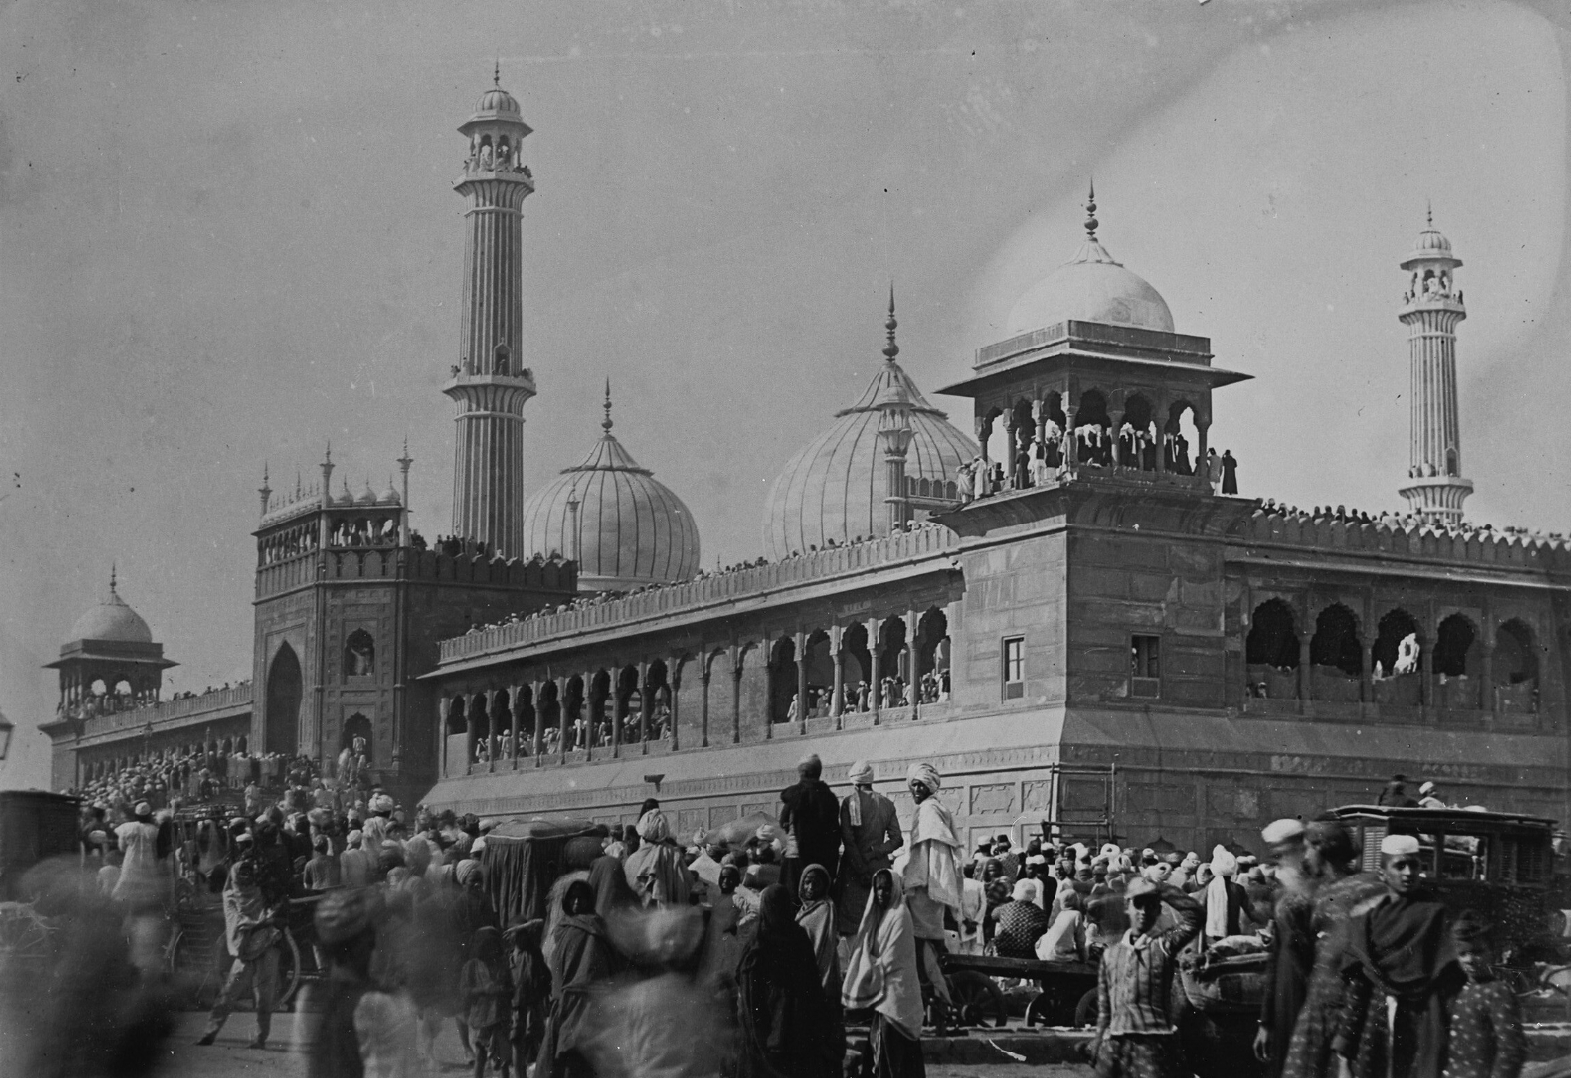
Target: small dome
point(631, 529)
point(1091, 287)
point(497, 99)
point(391, 497)
point(833, 488)
point(112, 619)
point(1432, 239)
point(366, 496)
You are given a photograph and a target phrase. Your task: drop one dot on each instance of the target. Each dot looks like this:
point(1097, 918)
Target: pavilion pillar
point(703, 701)
point(674, 674)
point(837, 694)
point(537, 736)
point(1305, 675)
point(736, 697)
point(1116, 425)
point(561, 717)
point(644, 700)
point(875, 676)
point(801, 682)
point(913, 688)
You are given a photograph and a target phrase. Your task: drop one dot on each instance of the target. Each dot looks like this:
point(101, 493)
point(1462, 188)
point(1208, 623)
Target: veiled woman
point(817, 918)
point(581, 960)
point(784, 1014)
point(882, 976)
point(655, 870)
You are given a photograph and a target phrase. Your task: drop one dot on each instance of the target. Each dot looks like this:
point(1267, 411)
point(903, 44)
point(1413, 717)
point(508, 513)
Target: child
point(1486, 1038)
point(487, 988)
point(531, 990)
point(1135, 1035)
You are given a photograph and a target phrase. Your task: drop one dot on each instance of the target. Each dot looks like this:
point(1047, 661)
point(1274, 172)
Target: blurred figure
point(140, 888)
point(252, 936)
point(361, 1030)
point(882, 977)
point(783, 1011)
point(614, 897)
point(531, 991)
point(486, 985)
point(655, 870)
point(1292, 947)
point(810, 816)
point(582, 959)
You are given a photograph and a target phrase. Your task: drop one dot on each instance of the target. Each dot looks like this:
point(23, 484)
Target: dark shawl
point(1291, 957)
point(613, 894)
point(783, 1010)
point(812, 814)
point(1401, 948)
point(582, 958)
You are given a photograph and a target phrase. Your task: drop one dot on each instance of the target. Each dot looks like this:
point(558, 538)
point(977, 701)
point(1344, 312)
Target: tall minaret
point(1431, 308)
point(490, 383)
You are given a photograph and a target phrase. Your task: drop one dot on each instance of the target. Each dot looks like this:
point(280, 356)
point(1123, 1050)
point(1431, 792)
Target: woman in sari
point(882, 976)
point(781, 1004)
point(581, 960)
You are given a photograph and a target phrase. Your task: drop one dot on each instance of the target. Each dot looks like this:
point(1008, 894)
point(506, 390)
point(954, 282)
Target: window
point(359, 654)
point(1145, 666)
point(1015, 668)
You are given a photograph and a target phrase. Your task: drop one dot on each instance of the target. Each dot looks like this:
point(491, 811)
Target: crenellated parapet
point(1408, 537)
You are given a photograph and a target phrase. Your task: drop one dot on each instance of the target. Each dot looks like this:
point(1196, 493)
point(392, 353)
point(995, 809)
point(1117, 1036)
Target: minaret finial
point(1091, 221)
point(496, 76)
point(605, 424)
point(329, 458)
point(891, 349)
point(112, 575)
point(1429, 213)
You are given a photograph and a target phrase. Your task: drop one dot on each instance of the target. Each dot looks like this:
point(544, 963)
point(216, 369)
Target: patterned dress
point(1309, 1053)
point(1486, 1038)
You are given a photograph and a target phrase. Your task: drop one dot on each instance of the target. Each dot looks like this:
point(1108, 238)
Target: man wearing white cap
point(1429, 797)
point(1292, 948)
point(870, 830)
point(1401, 972)
point(1224, 899)
point(930, 873)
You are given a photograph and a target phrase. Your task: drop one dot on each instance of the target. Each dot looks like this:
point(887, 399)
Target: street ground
point(285, 1057)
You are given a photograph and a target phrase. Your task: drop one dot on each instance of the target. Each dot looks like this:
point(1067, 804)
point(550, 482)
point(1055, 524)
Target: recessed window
point(1015, 668)
point(1145, 666)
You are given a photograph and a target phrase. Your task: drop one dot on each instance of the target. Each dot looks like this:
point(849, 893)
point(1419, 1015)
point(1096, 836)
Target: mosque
point(1057, 607)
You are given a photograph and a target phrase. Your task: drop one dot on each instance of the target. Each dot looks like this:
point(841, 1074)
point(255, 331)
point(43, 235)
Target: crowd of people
point(1039, 460)
point(172, 779)
point(749, 952)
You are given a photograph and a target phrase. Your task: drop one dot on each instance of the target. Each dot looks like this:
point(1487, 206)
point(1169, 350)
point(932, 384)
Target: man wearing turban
point(930, 872)
point(870, 830)
point(656, 870)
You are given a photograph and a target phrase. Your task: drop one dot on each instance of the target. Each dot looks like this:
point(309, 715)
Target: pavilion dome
point(112, 619)
point(833, 488)
point(1091, 287)
point(632, 530)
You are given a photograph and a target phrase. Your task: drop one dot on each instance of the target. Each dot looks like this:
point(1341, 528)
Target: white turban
point(1222, 862)
point(861, 773)
point(653, 826)
point(926, 774)
point(1282, 831)
point(466, 869)
point(1399, 845)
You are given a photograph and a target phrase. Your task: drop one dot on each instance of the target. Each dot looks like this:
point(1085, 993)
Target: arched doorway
point(282, 717)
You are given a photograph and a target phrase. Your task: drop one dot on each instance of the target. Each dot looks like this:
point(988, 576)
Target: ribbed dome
point(112, 619)
point(1091, 287)
point(1432, 239)
point(497, 99)
point(833, 488)
point(632, 530)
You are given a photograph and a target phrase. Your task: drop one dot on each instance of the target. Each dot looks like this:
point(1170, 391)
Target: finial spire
point(1429, 213)
point(112, 574)
point(1091, 221)
point(605, 424)
point(891, 349)
point(496, 75)
point(329, 458)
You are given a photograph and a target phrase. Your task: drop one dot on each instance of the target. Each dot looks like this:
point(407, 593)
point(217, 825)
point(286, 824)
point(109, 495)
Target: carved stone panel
point(993, 799)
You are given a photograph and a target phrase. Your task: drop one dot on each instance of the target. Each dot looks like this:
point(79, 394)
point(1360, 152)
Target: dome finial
point(605, 424)
point(496, 75)
point(112, 573)
point(1091, 221)
point(1429, 213)
point(891, 349)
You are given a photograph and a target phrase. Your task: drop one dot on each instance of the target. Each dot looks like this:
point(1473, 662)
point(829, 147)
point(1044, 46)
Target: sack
point(1228, 985)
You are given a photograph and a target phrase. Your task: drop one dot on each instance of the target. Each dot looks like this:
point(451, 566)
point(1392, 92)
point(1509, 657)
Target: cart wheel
point(1036, 1012)
point(25, 939)
point(977, 998)
point(1085, 1010)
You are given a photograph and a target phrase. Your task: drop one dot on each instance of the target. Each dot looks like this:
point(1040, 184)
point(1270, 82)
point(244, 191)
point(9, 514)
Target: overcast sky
point(230, 235)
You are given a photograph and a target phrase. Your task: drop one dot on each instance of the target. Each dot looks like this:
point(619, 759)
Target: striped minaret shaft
point(1432, 308)
point(490, 383)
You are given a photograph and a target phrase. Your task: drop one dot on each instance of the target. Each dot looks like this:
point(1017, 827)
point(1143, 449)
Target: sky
point(228, 236)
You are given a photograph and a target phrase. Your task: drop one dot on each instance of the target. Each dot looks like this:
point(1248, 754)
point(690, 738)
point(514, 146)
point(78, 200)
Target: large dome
point(833, 488)
point(112, 619)
point(1091, 287)
point(632, 530)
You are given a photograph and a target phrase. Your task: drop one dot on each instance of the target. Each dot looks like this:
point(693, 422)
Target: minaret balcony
point(1432, 301)
point(524, 381)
